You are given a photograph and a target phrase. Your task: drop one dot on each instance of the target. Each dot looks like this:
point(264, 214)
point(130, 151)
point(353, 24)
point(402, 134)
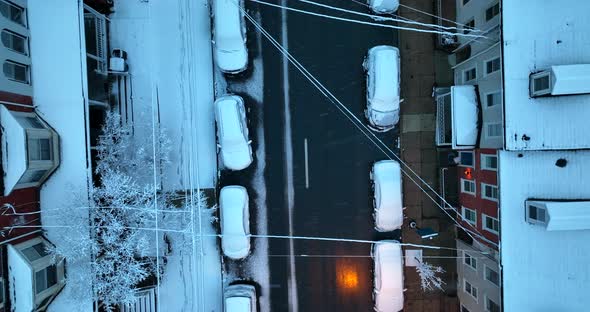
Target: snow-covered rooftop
point(536, 37)
point(543, 270)
point(465, 117)
point(14, 154)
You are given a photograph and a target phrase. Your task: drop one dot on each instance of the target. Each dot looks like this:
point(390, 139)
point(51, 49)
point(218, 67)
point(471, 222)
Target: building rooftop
point(543, 270)
point(536, 37)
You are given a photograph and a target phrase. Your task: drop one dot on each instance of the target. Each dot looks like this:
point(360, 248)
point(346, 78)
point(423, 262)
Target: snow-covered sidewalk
point(170, 67)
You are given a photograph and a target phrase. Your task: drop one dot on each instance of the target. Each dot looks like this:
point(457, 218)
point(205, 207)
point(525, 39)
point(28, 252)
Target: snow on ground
point(169, 55)
point(59, 89)
point(543, 270)
point(556, 34)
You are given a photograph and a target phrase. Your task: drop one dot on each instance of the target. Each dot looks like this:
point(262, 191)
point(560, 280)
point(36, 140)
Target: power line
point(364, 22)
point(378, 17)
point(359, 125)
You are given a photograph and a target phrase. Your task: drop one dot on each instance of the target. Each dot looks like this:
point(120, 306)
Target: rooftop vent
point(560, 80)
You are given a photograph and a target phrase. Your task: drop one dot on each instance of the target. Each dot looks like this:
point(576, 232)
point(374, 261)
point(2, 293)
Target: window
point(468, 186)
point(30, 122)
point(540, 84)
point(16, 71)
point(493, 130)
point(467, 159)
point(39, 149)
point(470, 289)
point(489, 162)
point(469, 215)
point(492, 66)
point(491, 306)
point(45, 278)
point(469, 260)
point(493, 99)
point(536, 214)
point(489, 191)
point(32, 176)
point(14, 41)
point(464, 309)
point(491, 275)
point(468, 27)
point(465, 2)
point(35, 252)
point(491, 224)
point(492, 11)
point(12, 12)
point(469, 74)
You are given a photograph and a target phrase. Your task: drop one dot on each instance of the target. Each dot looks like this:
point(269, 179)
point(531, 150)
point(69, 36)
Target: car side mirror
point(218, 146)
point(249, 142)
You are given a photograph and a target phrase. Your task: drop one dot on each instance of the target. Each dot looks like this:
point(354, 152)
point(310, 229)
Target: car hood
point(237, 158)
point(232, 61)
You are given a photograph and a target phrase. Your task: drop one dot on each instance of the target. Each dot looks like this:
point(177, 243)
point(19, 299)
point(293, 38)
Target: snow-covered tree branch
point(428, 276)
point(124, 202)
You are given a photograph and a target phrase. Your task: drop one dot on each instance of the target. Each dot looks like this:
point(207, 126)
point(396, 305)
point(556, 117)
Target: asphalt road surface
point(317, 161)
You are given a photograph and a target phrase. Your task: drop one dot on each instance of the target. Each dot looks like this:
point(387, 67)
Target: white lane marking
point(306, 163)
point(290, 193)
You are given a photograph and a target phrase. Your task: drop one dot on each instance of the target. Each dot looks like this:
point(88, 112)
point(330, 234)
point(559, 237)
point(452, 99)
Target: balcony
point(458, 119)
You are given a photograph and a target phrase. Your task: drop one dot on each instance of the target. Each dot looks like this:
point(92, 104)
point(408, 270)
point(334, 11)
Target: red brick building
point(478, 197)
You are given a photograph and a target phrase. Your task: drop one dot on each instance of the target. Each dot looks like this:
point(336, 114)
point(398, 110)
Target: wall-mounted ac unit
point(118, 61)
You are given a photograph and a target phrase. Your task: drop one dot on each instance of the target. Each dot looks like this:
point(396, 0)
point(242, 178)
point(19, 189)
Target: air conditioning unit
point(118, 61)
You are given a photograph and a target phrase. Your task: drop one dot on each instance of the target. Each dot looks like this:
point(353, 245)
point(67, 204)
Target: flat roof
point(536, 37)
point(542, 270)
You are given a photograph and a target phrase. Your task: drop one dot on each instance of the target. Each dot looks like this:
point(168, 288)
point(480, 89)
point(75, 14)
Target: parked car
point(232, 132)
point(239, 298)
point(235, 221)
point(387, 195)
point(229, 36)
point(384, 6)
point(388, 283)
point(383, 78)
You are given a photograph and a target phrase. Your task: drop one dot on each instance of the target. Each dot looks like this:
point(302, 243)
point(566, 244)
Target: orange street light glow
point(348, 278)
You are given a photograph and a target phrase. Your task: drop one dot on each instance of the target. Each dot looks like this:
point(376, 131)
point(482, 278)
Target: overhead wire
point(363, 22)
point(379, 17)
point(359, 125)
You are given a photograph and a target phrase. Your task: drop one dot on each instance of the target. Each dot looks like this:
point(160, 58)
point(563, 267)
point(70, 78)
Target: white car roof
point(389, 271)
point(385, 68)
point(228, 117)
point(389, 214)
point(384, 5)
point(227, 24)
point(238, 304)
point(233, 202)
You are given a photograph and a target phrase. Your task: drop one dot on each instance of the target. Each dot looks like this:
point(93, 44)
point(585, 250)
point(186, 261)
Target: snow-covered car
point(388, 280)
point(229, 36)
point(239, 298)
point(387, 195)
point(235, 222)
point(383, 78)
point(232, 132)
point(383, 6)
